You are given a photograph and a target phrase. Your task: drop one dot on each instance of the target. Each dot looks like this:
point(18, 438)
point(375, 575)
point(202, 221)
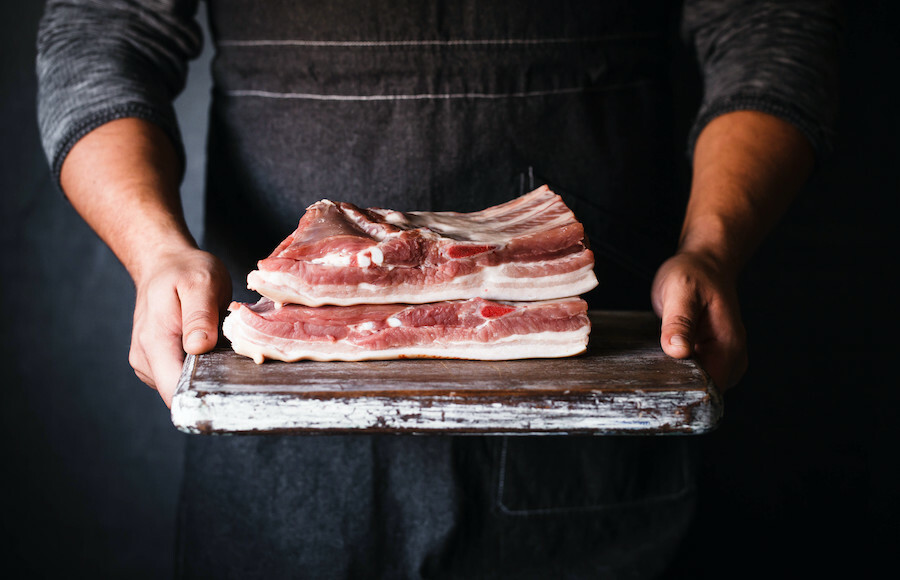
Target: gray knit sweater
point(99, 60)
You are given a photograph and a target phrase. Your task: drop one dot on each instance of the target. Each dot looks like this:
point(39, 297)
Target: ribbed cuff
point(819, 137)
point(127, 110)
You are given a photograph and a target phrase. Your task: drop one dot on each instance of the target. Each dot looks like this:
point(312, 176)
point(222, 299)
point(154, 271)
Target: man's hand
point(177, 310)
point(122, 177)
point(700, 314)
point(747, 168)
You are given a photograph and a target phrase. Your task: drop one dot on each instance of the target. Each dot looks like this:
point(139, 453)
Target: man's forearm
point(123, 180)
point(748, 166)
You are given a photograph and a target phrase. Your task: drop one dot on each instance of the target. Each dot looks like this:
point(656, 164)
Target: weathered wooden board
point(623, 384)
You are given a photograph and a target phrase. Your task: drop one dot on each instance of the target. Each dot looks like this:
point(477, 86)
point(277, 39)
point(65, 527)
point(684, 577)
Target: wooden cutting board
point(623, 384)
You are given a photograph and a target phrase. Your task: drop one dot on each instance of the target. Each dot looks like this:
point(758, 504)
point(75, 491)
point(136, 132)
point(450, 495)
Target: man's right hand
point(122, 177)
point(180, 299)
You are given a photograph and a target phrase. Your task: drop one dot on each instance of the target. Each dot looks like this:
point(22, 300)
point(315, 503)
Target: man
point(417, 105)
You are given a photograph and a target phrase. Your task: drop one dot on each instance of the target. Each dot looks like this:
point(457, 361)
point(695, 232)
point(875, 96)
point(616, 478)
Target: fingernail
point(196, 337)
point(678, 340)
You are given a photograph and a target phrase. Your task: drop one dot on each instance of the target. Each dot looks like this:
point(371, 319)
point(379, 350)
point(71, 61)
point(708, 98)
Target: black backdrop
point(801, 476)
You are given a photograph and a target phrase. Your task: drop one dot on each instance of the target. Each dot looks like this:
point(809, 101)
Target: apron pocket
point(550, 474)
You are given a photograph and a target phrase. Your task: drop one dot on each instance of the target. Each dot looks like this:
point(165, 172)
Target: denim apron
point(442, 106)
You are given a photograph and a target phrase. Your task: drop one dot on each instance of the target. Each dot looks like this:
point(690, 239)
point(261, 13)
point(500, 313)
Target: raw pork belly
point(471, 329)
point(531, 248)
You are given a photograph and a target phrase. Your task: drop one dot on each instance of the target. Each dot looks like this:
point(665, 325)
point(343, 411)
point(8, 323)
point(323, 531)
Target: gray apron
point(442, 106)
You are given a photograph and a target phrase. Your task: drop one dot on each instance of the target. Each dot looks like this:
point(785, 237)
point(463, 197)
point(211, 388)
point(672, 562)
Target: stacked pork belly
point(364, 284)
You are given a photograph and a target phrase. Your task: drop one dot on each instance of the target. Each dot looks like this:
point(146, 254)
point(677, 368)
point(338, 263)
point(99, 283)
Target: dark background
point(800, 477)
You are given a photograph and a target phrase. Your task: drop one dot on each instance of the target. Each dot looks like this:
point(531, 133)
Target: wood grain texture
point(623, 384)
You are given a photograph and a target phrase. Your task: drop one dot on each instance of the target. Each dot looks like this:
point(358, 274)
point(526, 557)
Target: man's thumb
point(199, 323)
point(677, 332)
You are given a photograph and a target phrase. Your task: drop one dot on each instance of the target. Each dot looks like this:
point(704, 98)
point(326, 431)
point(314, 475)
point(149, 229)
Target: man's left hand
point(701, 317)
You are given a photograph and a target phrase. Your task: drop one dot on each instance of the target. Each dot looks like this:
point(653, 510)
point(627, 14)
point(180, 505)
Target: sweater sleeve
point(776, 56)
point(101, 60)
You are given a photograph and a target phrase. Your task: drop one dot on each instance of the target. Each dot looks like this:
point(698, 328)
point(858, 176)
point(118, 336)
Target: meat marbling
point(530, 248)
point(475, 329)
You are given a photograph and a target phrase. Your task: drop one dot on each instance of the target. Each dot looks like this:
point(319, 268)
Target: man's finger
point(145, 378)
point(166, 359)
point(138, 361)
point(724, 353)
point(199, 320)
point(679, 313)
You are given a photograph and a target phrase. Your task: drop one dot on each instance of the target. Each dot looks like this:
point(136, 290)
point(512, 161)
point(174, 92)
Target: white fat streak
point(394, 322)
point(395, 218)
point(377, 256)
point(335, 259)
point(519, 346)
point(492, 283)
point(368, 325)
point(492, 225)
point(364, 258)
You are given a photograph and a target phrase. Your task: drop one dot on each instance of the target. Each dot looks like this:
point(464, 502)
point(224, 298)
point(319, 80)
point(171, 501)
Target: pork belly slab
point(475, 329)
point(531, 248)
